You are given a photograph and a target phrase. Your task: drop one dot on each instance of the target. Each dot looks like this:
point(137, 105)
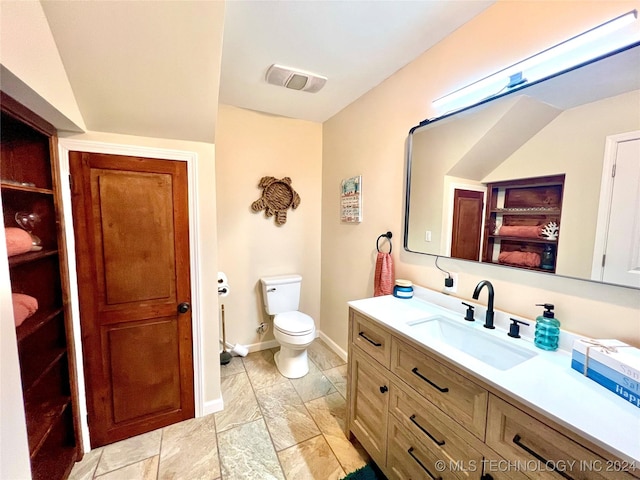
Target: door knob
point(384, 389)
point(183, 307)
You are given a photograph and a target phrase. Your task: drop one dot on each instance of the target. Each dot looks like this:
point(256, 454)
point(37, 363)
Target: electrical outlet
point(427, 236)
point(454, 288)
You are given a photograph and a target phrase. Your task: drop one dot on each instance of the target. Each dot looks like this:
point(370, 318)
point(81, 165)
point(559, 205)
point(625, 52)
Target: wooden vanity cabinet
point(524, 438)
point(371, 339)
point(409, 423)
point(30, 184)
point(420, 434)
point(368, 404)
point(454, 394)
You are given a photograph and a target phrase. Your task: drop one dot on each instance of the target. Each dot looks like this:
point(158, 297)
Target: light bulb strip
point(501, 79)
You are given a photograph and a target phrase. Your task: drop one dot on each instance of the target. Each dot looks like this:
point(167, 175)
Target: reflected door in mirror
point(467, 224)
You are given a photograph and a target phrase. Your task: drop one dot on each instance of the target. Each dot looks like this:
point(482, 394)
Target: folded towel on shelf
point(524, 231)
point(18, 241)
point(384, 276)
point(23, 307)
point(524, 259)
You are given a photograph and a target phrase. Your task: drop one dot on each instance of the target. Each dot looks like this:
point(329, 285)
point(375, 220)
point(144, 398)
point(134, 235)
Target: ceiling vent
point(294, 79)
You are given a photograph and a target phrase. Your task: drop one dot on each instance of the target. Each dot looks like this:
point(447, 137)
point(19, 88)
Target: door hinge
point(70, 182)
point(604, 258)
point(613, 170)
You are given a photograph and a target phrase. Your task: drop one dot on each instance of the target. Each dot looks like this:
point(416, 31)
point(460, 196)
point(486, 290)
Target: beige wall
point(368, 138)
point(250, 145)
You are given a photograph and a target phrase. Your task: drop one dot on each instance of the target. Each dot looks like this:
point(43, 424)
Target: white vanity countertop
point(546, 383)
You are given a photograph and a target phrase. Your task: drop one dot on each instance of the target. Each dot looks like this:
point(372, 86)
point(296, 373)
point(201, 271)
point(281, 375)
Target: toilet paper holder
point(223, 285)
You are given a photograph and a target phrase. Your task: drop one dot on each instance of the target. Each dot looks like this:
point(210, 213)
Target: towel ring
point(388, 236)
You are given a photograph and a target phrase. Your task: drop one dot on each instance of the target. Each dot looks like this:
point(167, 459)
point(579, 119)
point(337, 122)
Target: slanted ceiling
point(504, 129)
point(142, 68)
point(160, 68)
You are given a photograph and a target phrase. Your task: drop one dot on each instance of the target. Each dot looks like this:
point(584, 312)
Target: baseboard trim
point(212, 406)
point(256, 347)
point(334, 346)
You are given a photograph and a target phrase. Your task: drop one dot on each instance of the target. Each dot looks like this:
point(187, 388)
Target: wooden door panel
point(132, 250)
point(467, 224)
point(137, 237)
point(152, 367)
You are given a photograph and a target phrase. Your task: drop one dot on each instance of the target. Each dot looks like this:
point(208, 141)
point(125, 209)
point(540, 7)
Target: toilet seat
point(294, 323)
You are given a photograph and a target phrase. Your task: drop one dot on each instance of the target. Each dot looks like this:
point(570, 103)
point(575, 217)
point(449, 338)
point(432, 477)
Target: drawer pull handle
point(410, 452)
point(375, 344)
point(546, 462)
point(437, 442)
point(384, 389)
point(443, 390)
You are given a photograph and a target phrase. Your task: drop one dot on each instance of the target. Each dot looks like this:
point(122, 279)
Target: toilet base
point(292, 363)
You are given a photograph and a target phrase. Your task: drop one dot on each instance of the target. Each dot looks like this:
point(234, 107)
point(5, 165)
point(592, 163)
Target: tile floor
point(271, 428)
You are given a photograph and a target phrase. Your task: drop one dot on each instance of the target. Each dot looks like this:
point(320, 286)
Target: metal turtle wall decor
point(277, 197)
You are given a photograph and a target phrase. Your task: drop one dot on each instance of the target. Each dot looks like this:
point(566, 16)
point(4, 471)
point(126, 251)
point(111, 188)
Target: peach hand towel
point(23, 307)
point(18, 241)
point(383, 280)
point(524, 231)
point(524, 259)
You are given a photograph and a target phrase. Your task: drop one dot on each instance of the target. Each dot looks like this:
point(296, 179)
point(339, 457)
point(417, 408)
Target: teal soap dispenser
point(547, 329)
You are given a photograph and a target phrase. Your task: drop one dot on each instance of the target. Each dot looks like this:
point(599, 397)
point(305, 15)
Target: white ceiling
point(356, 44)
point(153, 68)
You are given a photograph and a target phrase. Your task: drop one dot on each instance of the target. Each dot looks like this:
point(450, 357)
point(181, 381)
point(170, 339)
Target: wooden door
point(467, 224)
point(132, 251)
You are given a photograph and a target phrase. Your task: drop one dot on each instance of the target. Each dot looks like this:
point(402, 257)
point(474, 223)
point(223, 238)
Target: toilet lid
point(294, 323)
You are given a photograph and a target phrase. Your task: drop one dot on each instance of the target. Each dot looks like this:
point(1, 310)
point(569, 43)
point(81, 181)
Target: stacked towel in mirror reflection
point(525, 259)
point(223, 285)
point(524, 231)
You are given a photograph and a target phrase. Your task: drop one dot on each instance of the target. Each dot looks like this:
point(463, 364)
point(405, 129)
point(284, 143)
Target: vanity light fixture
point(570, 53)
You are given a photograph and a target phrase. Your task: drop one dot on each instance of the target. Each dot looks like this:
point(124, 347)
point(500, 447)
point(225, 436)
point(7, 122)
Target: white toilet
point(294, 330)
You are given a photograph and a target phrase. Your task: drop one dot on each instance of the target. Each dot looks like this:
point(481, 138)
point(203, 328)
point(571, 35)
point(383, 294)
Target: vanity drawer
point(521, 438)
point(451, 392)
point(436, 432)
point(371, 338)
point(497, 468)
point(409, 459)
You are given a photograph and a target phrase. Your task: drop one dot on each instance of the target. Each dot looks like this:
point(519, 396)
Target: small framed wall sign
point(351, 200)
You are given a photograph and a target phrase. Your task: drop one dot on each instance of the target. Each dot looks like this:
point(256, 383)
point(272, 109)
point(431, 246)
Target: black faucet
point(488, 319)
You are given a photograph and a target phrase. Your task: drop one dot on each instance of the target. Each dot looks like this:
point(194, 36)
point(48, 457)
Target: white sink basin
point(470, 341)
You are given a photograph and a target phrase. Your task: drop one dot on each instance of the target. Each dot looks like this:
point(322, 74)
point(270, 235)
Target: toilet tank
point(281, 293)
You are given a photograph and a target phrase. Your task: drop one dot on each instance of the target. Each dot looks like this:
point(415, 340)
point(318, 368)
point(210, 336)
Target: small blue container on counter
point(403, 289)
